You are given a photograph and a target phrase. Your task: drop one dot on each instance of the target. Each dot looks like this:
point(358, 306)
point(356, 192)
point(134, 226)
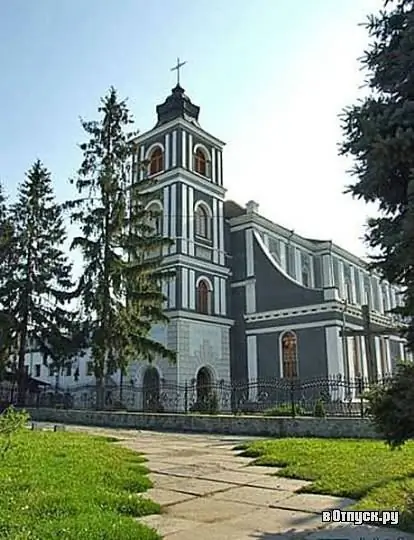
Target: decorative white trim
point(402, 351)
point(183, 176)
point(207, 280)
point(184, 218)
point(334, 351)
point(154, 202)
point(185, 260)
point(327, 271)
point(283, 255)
point(298, 264)
point(223, 307)
point(313, 309)
point(152, 148)
point(184, 289)
point(249, 253)
point(192, 288)
point(215, 232)
point(184, 150)
point(252, 372)
point(250, 292)
point(164, 290)
point(165, 220)
point(275, 264)
point(213, 165)
point(141, 160)
point(204, 149)
point(341, 274)
point(299, 326)
point(364, 363)
point(172, 292)
point(200, 317)
point(242, 283)
point(191, 221)
point(353, 285)
point(190, 152)
point(205, 205)
point(377, 346)
point(167, 152)
point(173, 217)
point(181, 122)
point(174, 149)
point(219, 169)
point(312, 271)
point(221, 246)
point(217, 296)
point(388, 351)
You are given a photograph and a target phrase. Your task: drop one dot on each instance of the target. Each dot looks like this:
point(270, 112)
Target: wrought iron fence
point(331, 396)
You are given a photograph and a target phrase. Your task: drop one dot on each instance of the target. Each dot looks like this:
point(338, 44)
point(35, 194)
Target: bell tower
point(187, 161)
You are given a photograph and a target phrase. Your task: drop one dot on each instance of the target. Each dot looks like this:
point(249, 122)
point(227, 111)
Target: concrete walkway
point(207, 491)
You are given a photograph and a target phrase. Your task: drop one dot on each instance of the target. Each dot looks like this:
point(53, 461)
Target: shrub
point(392, 406)
point(285, 409)
point(11, 422)
point(319, 409)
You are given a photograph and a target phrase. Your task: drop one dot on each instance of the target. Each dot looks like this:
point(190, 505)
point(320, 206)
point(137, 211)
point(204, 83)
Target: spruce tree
point(121, 280)
point(379, 136)
point(39, 284)
point(6, 263)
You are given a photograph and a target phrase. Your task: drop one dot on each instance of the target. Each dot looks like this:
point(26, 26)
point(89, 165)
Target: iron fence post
point(185, 397)
point(292, 398)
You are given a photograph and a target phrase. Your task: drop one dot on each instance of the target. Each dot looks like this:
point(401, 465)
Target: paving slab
point(210, 510)
point(313, 503)
point(274, 520)
point(358, 532)
point(166, 497)
point(254, 496)
point(278, 482)
point(166, 525)
point(196, 486)
point(236, 477)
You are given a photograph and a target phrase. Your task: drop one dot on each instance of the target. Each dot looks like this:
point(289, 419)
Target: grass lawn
point(365, 470)
point(71, 486)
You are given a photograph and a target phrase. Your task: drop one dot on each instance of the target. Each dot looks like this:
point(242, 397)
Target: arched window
point(202, 222)
point(200, 162)
point(290, 355)
point(203, 297)
point(156, 164)
point(155, 217)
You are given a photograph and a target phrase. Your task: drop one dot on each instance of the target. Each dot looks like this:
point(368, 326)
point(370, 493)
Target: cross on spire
point(177, 69)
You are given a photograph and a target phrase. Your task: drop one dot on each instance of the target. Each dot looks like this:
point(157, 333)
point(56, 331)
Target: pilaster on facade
point(327, 271)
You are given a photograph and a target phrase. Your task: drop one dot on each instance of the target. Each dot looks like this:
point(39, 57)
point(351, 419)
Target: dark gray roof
point(177, 105)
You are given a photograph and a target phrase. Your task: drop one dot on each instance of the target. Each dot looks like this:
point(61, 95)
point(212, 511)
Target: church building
point(250, 300)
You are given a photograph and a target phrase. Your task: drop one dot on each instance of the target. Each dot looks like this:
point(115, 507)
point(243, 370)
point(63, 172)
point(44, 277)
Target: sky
point(270, 76)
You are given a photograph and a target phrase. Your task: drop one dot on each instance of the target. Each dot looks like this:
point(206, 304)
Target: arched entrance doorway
point(204, 384)
point(151, 389)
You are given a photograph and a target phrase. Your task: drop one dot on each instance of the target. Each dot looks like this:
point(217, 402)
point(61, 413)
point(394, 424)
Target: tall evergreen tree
point(6, 264)
point(39, 286)
point(379, 135)
point(121, 281)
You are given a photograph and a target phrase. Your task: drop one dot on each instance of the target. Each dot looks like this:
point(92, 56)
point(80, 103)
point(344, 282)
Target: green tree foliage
point(38, 287)
point(121, 248)
point(6, 256)
point(392, 406)
point(379, 135)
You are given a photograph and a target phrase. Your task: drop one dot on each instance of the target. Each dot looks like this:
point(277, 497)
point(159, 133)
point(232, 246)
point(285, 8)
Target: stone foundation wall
point(225, 424)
